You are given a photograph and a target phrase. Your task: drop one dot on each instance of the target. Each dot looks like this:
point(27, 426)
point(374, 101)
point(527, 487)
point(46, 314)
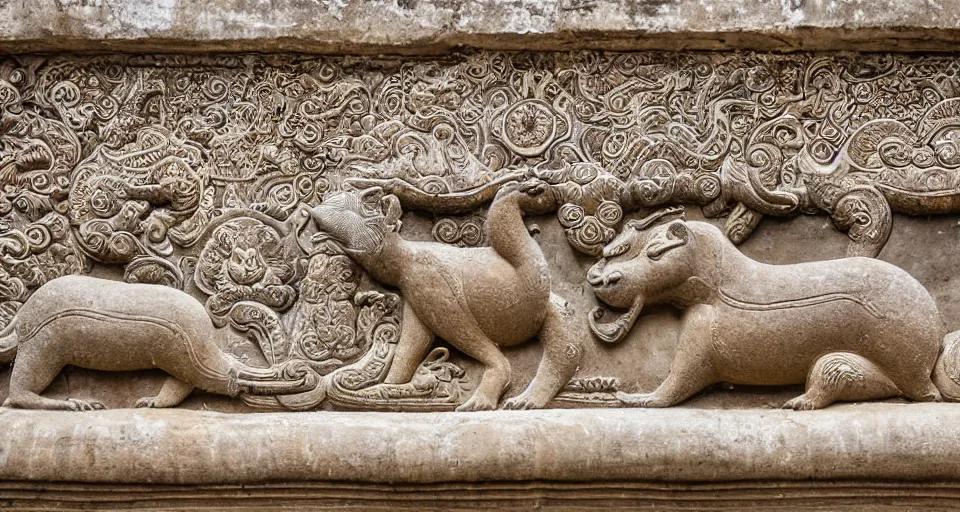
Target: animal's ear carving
point(676, 235)
point(392, 210)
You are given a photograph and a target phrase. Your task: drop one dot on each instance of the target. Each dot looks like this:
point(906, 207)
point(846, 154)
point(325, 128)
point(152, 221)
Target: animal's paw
point(477, 403)
point(524, 401)
point(802, 403)
point(86, 405)
point(533, 186)
point(642, 400)
point(147, 402)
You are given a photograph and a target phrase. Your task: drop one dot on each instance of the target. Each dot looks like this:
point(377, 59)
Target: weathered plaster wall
point(431, 26)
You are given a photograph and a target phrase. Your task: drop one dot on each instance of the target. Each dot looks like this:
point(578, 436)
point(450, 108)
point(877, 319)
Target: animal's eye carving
point(617, 250)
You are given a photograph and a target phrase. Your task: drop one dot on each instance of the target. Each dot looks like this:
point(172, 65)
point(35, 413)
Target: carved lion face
point(641, 262)
point(639, 267)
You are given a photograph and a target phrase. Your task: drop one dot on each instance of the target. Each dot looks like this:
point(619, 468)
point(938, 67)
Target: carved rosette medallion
point(529, 127)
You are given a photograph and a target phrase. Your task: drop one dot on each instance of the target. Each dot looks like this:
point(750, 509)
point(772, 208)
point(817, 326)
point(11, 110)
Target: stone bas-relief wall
point(429, 235)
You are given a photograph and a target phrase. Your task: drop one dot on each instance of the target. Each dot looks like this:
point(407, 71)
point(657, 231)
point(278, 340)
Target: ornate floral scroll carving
point(467, 233)
point(200, 172)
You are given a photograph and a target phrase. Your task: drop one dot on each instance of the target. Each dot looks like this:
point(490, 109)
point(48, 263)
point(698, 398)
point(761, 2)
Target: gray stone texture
point(431, 26)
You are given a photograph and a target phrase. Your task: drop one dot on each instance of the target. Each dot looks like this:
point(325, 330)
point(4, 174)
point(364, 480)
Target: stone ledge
point(863, 496)
point(437, 26)
point(867, 442)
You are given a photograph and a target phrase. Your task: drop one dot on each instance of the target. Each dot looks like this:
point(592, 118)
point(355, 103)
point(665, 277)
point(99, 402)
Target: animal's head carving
point(648, 257)
point(358, 221)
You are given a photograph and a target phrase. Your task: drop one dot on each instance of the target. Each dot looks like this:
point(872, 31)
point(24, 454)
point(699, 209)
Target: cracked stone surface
point(437, 26)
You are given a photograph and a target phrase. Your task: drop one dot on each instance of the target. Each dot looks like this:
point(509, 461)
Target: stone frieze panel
point(306, 232)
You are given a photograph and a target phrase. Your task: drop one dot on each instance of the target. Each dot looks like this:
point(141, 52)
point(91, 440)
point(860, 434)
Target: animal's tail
point(946, 373)
point(9, 342)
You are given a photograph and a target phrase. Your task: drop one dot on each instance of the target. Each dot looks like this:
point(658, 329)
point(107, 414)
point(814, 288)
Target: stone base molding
point(852, 457)
point(861, 496)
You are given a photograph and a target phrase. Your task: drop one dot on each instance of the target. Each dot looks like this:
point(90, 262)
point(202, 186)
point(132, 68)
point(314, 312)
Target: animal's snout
point(597, 277)
point(612, 277)
point(595, 274)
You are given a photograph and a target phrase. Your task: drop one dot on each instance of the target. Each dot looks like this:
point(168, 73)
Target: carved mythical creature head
point(358, 221)
point(645, 260)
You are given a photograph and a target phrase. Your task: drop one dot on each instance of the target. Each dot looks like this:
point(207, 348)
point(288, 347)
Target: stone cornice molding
point(417, 27)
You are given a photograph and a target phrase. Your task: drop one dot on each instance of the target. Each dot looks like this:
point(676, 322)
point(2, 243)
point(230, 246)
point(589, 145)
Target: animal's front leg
point(415, 341)
point(34, 369)
point(692, 368)
point(540, 197)
point(673, 390)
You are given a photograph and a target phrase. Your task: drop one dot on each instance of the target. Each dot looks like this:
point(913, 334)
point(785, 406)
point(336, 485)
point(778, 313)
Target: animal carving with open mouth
point(852, 329)
point(478, 299)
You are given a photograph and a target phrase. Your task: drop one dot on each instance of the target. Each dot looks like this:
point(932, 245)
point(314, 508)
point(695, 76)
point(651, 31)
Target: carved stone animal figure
point(478, 299)
point(113, 326)
point(853, 329)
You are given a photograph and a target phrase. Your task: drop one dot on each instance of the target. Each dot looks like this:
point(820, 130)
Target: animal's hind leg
point(173, 392)
point(917, 386)
point(562, 353)
point(843, 376)
point(32, 373)
point(496, 369)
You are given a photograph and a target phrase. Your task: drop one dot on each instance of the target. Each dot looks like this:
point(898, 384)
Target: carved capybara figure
point(478, 299)
point(852, 329)
point(107, 325)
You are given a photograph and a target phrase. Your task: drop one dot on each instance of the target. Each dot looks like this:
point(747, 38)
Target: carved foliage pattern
point(189, 171)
